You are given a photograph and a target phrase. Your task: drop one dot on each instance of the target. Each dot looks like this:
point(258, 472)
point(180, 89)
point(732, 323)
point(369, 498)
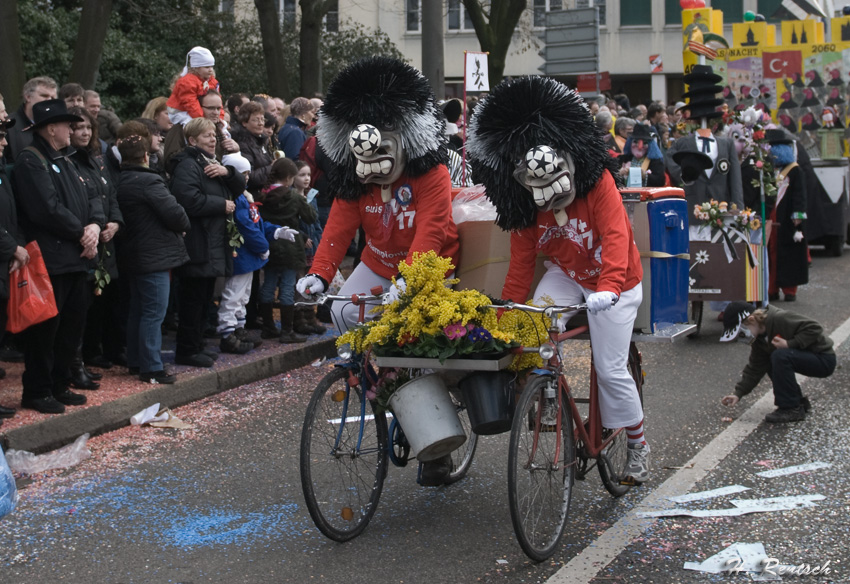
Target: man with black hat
point(12, 254)
point(784, 344)
point(65, 219)
point(722, 180)
point(642, 151)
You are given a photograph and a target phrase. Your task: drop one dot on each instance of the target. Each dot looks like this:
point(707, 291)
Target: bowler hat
point(51, 111)
point(642, 132)
point(692, 164)
point(777, 137)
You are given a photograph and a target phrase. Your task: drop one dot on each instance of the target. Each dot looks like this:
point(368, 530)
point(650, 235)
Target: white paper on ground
point(147, 415)
point(781, 472)
point(742, 507)
point(731, 490)
point(791, 502)
point(740, 557)
point(719, 563)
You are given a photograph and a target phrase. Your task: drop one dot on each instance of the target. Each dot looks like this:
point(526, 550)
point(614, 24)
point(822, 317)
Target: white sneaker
point(637, 469)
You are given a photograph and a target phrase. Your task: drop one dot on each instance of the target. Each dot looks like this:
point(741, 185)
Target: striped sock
point(635, 434)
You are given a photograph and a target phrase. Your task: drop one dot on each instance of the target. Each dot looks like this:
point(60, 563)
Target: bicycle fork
point(548, 393)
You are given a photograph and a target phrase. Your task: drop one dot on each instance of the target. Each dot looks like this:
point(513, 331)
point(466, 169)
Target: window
point(767, 9)
point(287, 11)
point(733, 10)
point(413, 15)
point(672, 12)
point(332, 18)
point(458, 18)
point(635, 12)
point(541, 7)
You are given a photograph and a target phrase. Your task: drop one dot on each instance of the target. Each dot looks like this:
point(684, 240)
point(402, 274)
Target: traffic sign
point(572, 42)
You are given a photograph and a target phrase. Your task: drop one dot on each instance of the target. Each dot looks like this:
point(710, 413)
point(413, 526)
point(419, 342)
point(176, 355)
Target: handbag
point(31, 298)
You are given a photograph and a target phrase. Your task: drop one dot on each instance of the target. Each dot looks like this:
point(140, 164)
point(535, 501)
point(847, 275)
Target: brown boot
point(311, 322)
point(299, 324)
point(287, 335)
point(269, 330)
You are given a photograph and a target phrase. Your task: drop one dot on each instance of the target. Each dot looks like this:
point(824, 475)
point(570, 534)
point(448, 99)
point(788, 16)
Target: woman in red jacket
point(546, 169)
point(381, 128)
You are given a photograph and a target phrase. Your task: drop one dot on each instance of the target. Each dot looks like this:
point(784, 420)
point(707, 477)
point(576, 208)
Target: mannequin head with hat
point(52, 122)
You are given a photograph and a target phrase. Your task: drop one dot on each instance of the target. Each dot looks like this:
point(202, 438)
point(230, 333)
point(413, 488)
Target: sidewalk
point(121, 395)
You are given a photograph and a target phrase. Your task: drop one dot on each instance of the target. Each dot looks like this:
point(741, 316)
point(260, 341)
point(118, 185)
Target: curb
point(57, 431)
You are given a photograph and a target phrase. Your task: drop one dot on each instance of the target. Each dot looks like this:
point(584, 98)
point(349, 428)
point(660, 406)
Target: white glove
point(601, 301)
point(798, 236)
point(395, 291)
point(285, 233)
point(265, 255)
point(309, 285)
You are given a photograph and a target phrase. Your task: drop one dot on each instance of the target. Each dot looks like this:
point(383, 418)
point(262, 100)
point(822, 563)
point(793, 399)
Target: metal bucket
point(490, 401)
point(428, 417)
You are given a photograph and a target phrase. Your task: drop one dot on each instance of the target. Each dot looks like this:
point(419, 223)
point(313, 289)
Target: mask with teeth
point(548, 174)
point(380, 156)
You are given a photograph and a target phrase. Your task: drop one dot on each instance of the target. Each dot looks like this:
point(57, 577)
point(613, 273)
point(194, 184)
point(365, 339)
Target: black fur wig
point(392, 96)
point(519, 115)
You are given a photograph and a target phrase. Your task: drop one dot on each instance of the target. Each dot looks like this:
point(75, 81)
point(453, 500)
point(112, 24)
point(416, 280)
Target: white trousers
point(234, 299)
point(362, 279)
point(610, 335)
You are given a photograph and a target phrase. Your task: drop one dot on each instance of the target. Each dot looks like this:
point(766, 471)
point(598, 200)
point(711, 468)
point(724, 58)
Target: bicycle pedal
point(630, 482)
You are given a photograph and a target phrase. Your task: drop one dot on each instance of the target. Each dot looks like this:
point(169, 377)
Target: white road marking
point(583, 568)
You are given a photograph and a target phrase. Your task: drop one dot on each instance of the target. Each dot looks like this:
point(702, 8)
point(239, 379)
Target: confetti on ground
point(781, 472)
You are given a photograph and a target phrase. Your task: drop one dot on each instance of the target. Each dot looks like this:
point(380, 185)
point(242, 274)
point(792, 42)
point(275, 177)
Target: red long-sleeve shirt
point(417, 219)
point(595, 248)
point(187, 93)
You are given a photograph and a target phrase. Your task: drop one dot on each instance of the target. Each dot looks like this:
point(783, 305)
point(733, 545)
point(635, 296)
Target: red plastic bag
point(31, 299)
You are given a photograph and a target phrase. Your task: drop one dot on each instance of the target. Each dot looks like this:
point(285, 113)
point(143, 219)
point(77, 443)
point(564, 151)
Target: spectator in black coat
point(104, 334)
point(248, 133)
point(66, 220)
point(12, 253)
point(151, 245)
point(35, 90)
point(206, 190)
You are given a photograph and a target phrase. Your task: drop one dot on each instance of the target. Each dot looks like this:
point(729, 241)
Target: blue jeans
point(279, 277)
point(148, 301)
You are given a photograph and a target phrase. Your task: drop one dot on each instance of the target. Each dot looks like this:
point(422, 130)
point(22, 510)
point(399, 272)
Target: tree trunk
point(433, 34)
point(12, 72)
point(94, 22)
point(273, 48)
point(495, 31)
point(310, 39)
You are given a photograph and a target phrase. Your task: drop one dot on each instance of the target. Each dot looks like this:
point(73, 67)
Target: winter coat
point(187, 94)
point(292, 136)
point(152, 237)
point(54, 205)
point(312, 231)
point(17, 138)
point(256, 233)
point(175, 142)
point(98, 178)
point(792, 265)
point(254, 148)
point(800, 332)
point(204, 200)
point(286, 206)
point(10, 235)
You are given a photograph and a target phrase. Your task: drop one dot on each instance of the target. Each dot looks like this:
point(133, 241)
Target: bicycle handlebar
point(547, 310)
point(355, 299)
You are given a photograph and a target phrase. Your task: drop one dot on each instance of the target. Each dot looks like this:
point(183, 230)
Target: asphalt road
point(222, 502)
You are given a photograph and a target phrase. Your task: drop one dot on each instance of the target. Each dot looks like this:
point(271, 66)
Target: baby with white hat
point(196, 79)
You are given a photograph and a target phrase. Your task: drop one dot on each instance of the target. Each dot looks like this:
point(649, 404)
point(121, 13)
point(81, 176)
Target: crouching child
point(784, 344)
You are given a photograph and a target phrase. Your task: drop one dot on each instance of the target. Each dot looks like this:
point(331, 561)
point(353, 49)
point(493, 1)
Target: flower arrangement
point(430, 320)
point(747, 220)
point(712, 213)
point(387, 384)
point(757, 121)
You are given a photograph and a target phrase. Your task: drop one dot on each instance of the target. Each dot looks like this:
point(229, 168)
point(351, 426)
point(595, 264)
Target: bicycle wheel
point(615, 457)
point(540, 487)
point(462, 457)
point(341, 482)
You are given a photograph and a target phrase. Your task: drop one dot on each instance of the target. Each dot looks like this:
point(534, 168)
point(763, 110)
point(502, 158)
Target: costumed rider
point(545, 167)
point(642, 151)
point(384, 135)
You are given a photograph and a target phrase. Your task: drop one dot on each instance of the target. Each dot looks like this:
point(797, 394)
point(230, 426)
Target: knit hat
point(198, 57)
point(733, 319)
point(237, 161)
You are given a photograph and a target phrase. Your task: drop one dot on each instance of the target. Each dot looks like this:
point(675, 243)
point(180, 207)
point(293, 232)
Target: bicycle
point(552, 444)
point(345, 454)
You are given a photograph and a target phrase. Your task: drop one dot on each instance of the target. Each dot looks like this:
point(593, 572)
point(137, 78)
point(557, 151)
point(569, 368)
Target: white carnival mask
point(380, 156)
point(549, 176)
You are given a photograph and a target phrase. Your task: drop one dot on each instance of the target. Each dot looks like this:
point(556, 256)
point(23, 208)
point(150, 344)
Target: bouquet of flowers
point(430, 320)
point(712, 213)
point(747, 220)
